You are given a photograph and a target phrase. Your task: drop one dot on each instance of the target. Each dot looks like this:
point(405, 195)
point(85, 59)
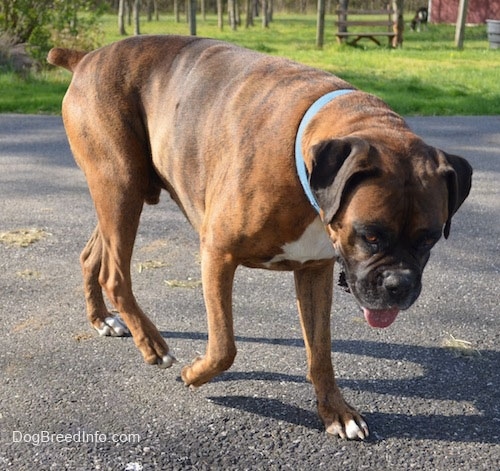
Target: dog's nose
point(398, 283)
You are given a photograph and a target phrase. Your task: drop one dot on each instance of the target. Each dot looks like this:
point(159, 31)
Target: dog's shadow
point(470, 380)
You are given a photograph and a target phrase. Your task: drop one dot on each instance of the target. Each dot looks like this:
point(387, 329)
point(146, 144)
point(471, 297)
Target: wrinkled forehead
point(394, 203)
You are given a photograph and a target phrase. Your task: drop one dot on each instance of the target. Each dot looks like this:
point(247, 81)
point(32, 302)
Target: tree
point(232, 6)
point(137, 12)
point(220, 14)
point(121, 17)
point(43, 23)
point(192, 17)
point(267, 7)
point(343, 6)
point(152, 9)
point(320, 25)
point(21, 18)
point(399, 24)
point(249, 8)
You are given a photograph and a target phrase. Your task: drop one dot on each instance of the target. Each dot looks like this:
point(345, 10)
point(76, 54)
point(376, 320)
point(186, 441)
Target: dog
point(276, 165)
point(420, 19)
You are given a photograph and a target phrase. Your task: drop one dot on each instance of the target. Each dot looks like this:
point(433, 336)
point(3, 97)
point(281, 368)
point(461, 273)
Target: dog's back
point(157, 81)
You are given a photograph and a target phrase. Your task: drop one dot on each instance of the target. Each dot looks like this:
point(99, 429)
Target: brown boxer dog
point(216, 125)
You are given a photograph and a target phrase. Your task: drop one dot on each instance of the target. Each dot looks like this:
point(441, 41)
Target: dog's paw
point(113, 326)
point(351, 430)
point(189, 377)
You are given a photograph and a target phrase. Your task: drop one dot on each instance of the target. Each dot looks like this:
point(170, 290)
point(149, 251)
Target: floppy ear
point(337, 165)
point(458, 174)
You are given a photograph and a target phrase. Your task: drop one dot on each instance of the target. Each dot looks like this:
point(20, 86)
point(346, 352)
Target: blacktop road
point(70, 400)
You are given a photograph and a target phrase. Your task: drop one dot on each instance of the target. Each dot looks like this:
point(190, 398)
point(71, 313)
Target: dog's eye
point(372, 242)
point(371, 239)
point(427, 243)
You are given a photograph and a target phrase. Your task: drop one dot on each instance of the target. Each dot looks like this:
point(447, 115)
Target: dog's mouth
point(380, 318)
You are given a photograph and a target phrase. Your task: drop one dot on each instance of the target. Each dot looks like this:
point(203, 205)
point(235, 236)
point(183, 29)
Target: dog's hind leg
point(117, 166)
point(314, 295)
point(119, 205)
point(99, 317)
point(119, 208)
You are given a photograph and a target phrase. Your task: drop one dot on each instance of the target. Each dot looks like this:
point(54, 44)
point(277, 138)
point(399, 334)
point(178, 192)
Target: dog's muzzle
point(384, 292)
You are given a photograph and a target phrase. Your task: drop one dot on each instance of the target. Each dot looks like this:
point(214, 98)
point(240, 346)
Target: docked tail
point(67, 58)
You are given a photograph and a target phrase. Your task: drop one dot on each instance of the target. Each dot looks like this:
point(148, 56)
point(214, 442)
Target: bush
point(41, 24)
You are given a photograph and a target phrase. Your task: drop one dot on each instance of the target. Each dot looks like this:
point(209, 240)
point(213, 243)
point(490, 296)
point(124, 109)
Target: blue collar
point(299, 158)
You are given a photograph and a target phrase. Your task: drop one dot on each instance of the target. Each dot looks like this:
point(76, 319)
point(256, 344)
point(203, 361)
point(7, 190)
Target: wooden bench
point(376, 27)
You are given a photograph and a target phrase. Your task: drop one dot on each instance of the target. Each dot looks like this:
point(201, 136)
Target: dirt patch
point(31, 323)
point(460, 347)
point(29, 274)
point(22, 237)
point(189, 283)
point(150, 265)
point(83, 336)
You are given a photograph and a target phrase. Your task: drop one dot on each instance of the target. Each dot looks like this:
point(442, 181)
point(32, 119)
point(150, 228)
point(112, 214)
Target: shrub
point(41, 24)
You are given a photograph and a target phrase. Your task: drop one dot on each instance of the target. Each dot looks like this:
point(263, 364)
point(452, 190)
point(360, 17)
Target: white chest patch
point(313, 244)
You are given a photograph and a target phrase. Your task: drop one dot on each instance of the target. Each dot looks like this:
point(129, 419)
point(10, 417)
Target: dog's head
point(385, 209)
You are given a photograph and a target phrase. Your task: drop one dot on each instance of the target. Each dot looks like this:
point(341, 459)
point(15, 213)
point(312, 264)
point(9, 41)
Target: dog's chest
point(313, 245)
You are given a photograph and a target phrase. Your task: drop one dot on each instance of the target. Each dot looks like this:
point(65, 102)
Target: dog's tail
point(67, 58)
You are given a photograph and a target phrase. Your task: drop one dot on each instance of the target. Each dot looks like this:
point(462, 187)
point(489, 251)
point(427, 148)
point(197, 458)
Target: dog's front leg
point(217, 277)
point(314, 288)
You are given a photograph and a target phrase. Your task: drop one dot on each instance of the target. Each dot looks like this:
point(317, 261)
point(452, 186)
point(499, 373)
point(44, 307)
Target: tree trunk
point(399, 24)
point(320, 25)
point(220, 14)
point(265, 13)
point(137, 9)
point(192, 17)
point(232, 6)
point(255, 4)
point(121, 18)
point(177, 15)
point(203, 10)
point(343, 5)
point(249, 13)
point(152, 7)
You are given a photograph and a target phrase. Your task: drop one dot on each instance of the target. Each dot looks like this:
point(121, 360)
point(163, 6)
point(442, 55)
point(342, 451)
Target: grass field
point(428, 76)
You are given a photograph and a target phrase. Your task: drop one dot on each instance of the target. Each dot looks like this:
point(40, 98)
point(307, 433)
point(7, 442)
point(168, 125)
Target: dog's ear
point(337, 165)
point(458, 174)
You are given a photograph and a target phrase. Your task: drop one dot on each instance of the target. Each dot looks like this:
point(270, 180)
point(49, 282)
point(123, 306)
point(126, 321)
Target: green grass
point(428, 76)
point(38, 93)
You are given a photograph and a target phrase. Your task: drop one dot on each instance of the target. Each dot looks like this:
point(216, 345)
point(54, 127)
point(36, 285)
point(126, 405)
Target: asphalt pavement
point(428, 386)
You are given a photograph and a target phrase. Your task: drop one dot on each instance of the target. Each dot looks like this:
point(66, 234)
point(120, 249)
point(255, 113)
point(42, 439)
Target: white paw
point(112, 326)
point(335, 429)
point(352, 430)
point(167, 361)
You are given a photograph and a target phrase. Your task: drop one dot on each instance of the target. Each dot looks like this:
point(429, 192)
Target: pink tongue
point(380, 317)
